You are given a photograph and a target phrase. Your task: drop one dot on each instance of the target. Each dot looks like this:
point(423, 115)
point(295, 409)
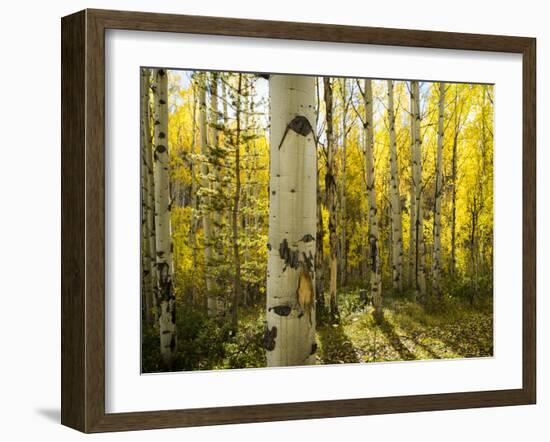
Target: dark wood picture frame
point(83, 217)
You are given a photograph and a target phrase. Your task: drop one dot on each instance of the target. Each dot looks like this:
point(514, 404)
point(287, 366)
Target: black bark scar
point(308, 237)
point(281, 310)
point(313, 348)
point(269, 338)
point(290, 257)
point(301, 126)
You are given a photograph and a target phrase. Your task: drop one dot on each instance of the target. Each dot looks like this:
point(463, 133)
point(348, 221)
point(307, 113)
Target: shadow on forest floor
point(407, 332)
point(335, 346)
point(388, 329)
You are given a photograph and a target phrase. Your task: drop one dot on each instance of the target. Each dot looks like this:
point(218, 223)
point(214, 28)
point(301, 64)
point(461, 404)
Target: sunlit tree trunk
point(166, 300)
point(320, 232)
point(397, 226)
point(453, 182)
point(343, 208)
point(418, 198)
point(217, 301)
point(331, 198)
point(436, 261)
point(194, 188)
point(148, 202)
point(290, 328)
point(235, 211)
point(373, 238)
point(319, 255)
point(412, 203)
point(206, 205)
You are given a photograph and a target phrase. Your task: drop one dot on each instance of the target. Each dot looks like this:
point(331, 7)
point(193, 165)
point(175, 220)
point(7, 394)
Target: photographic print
point(292, 220)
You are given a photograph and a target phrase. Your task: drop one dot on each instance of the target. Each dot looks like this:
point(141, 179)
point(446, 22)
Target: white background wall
point(30, 217)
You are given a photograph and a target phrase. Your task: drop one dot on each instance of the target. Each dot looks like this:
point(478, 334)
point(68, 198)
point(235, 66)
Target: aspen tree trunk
point(331, 198)
point(373, 239)
point(248, 166)
point(418, 199)
point(397, 226)
point(235, 213)
point(206, 206)
point(194, 206)
point(453, 189)
point(151, 205)
point(412, 205)
point(148, 202)
point(215, 212)
point(319, 254)
point(145, 249)
point(290, 316)
point(320, 233)
point(436, 261)
point(343, 232)
point(165, 295)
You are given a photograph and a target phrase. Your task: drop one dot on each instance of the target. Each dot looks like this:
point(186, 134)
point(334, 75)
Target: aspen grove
point(299, 220)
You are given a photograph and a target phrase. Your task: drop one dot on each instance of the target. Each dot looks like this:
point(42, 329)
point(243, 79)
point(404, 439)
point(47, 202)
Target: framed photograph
point(267, 220)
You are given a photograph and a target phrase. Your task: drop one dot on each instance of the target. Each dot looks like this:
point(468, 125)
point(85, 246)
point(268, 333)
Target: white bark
point(290, 317)
point(209, 264)
point(165, 294)
point(420, 276)
point(373, 239)
point(436, 261)
point(148, 202)
point(216, 301)
point(343, 206)
point(397, 226)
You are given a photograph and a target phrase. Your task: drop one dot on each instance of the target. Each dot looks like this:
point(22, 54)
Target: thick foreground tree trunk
point(165, 295)
point(373, 239)
point(148, 202)
point(397, 226)
point(290, 327)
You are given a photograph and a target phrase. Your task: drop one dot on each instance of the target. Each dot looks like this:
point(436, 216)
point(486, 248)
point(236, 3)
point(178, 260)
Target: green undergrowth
point(446, 328)
point(449, 328)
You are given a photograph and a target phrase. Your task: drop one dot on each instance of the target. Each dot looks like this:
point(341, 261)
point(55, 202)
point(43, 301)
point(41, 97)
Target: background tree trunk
point(206, 205)
point(436, 261)
point(194, 189)
point(412, 202)
point(215, 163)
point(331, 198)
point(343, 215)
point(397, 226)
point(373, 239)
point(290, 328)
point(235, 212)
point(165, 294)
point(320, 233)
point(418, 198)
point(453, 188)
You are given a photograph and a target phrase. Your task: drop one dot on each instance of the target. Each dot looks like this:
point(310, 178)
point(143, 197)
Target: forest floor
point(408, 331)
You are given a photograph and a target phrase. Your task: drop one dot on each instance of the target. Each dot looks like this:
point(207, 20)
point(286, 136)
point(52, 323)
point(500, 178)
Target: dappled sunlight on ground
point(407, 332)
